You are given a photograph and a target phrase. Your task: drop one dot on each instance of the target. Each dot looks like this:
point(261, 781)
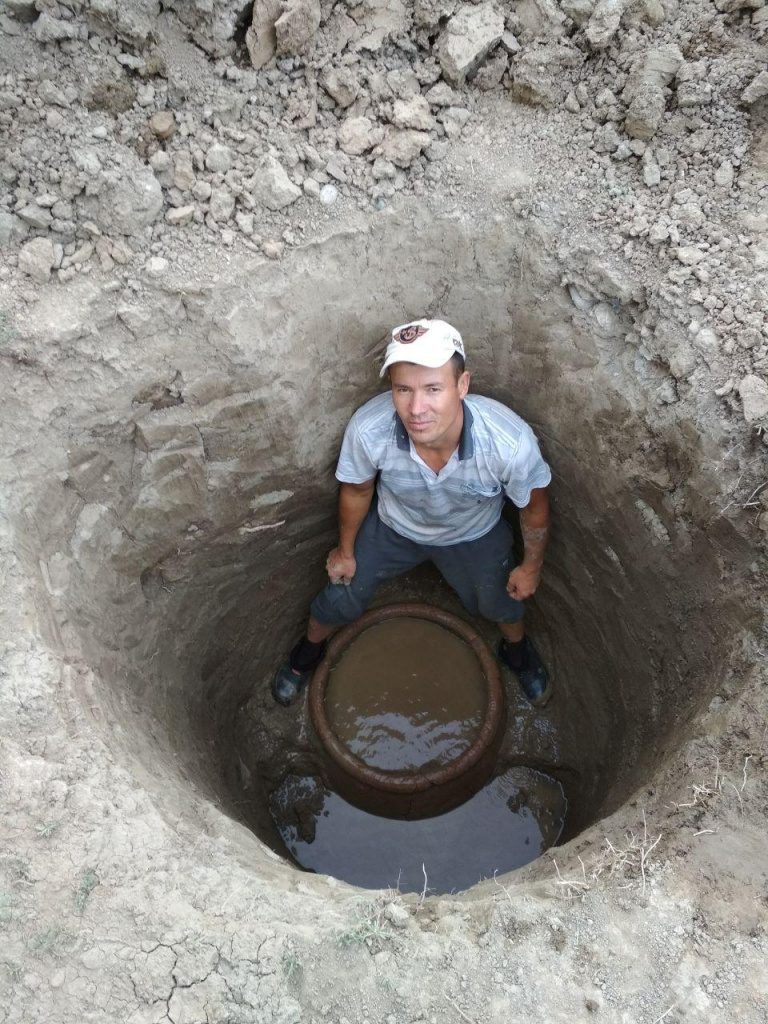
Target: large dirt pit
point(186, 536)
point(171, 506)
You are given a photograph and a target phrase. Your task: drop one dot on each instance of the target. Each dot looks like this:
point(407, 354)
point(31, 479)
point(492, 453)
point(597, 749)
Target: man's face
point(428, 401)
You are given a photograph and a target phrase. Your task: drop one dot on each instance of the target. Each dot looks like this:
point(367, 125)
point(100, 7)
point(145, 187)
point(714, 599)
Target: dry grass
point(663, 1015)
point(457, 1008)
point(623, 861)
point(573, 888)
point(626, 861)
point(705, 794)
point(368, 926)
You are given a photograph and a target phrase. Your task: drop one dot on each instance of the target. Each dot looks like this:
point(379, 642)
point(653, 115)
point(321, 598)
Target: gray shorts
point(477, 570)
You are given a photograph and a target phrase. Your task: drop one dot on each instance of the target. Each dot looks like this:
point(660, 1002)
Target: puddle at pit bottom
point(509, 823)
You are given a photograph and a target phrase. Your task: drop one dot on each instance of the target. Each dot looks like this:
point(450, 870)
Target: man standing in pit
point(424, 470)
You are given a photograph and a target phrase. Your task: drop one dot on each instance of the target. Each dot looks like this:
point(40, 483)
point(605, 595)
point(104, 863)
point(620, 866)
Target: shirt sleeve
point(355, 465)
point(525, 471)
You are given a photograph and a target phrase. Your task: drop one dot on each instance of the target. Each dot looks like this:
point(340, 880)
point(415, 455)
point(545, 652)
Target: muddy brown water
point(507, 824)
point(406, 694)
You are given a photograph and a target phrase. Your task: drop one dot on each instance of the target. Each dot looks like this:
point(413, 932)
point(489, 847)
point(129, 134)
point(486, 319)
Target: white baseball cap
point(424, 342)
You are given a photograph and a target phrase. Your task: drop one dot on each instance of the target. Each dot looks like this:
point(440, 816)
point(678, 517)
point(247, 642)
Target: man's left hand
point(523, 582)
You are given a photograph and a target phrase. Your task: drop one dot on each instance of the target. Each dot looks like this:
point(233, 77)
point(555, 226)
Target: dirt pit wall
point(178, 496)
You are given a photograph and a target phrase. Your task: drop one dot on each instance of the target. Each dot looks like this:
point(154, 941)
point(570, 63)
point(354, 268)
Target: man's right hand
point(341, 568)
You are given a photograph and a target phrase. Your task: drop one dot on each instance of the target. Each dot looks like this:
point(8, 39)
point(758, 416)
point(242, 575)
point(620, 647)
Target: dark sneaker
point(289, 682)
point(531, 672)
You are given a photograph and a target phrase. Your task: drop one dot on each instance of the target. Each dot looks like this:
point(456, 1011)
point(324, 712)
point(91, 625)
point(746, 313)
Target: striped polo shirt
point(497, 456)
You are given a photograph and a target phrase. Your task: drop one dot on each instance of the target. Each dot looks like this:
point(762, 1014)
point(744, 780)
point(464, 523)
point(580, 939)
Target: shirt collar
point(466, 441)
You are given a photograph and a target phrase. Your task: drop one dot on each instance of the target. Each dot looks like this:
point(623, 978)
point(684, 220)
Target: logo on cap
point(410, 333)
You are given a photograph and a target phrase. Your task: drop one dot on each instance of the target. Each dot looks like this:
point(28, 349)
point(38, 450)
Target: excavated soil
point(170, 421)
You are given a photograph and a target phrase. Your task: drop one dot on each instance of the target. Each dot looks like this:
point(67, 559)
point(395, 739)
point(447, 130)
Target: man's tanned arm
point(534, 524)
point(354, 502)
